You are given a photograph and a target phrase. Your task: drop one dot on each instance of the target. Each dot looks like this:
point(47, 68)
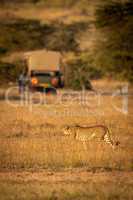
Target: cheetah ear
point(66, 127)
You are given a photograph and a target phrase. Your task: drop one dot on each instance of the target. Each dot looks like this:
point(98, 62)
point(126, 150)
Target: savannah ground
point(38, 162)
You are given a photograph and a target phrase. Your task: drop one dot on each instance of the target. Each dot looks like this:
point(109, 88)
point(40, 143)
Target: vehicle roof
point(43, 60)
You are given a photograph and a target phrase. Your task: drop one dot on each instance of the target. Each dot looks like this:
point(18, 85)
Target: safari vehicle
point(44, 71)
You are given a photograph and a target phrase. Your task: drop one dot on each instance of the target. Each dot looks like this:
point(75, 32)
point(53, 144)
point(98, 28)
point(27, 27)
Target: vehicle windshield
point(43, 77)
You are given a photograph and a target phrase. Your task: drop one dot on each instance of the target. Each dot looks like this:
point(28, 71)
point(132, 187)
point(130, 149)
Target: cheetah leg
point(84, 146)
point(107, 140)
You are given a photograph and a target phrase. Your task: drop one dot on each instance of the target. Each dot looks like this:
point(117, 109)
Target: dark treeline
point(116, 57)
point(112, 57)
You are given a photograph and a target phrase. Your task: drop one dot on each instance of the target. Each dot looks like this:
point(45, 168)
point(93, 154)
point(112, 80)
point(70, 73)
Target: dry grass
point(66, 185)
point(30, 139)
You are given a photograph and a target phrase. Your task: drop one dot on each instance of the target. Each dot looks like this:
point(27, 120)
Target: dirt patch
point(75, 175)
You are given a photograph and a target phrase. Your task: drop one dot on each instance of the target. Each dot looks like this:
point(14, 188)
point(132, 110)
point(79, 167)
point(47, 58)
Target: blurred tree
point(115, 56)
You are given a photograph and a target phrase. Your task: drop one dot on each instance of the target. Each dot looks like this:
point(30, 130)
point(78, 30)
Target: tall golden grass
point(35, 139)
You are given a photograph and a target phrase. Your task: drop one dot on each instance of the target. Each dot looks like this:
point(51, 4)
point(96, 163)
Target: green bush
point(80, 71)
point(64, 38)
point(19, 34)
point(10, 72)
point(114, 12)
point(3, 50)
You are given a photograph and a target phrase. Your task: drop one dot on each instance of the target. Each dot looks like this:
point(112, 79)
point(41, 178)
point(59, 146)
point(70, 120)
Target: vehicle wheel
point(50, 91)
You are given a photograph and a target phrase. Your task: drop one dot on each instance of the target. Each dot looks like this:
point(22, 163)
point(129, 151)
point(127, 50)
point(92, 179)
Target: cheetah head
point(67, 130)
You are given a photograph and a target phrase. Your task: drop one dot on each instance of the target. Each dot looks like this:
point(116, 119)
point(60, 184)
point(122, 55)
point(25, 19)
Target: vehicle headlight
point(34, 81)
